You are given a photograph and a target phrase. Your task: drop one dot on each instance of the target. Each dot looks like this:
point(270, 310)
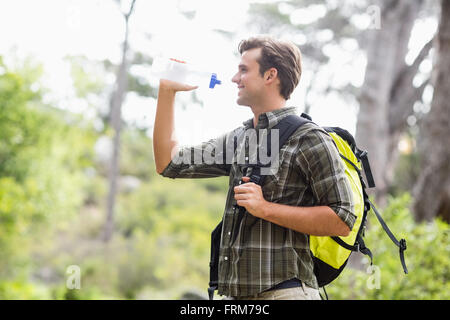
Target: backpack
point(330, 254)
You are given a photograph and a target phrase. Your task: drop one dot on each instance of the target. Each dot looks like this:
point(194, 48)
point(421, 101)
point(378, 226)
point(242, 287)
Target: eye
point(242, 69)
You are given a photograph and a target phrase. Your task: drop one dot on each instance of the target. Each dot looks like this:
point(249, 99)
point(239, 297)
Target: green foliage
point(23, 290)
point(427, 259)
point(88, 77)
point(137, 155)
point(19, 125)
point(41, 169)
point(170, 228)
point(160, 248)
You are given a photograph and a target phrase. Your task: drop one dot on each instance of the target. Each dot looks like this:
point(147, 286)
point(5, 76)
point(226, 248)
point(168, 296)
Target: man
point(266, 254)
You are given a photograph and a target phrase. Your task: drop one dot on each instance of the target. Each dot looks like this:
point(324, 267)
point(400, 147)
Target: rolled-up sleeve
point(319, 160)
point(205, 160)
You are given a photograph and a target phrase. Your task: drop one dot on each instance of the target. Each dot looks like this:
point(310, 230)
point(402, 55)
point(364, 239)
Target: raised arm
point(164, 140)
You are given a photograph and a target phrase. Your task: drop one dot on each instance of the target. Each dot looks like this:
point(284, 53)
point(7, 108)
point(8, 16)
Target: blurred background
point(83, 214)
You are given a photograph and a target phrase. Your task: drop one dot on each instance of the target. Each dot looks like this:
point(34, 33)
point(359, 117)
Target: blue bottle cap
point(214, 81)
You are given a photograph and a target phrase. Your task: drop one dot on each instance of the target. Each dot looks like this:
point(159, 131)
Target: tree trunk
point(403, 97)
point(432, 191)
point(386, 51)
point(116, 121)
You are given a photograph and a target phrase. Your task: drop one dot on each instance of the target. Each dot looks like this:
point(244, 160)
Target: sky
point(48, 30)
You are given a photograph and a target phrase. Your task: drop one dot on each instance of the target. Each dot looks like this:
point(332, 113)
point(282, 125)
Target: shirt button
point(226, 258)
point(229, 233)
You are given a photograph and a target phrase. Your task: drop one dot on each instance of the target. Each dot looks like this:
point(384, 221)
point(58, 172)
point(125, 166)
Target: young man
point(266, 254)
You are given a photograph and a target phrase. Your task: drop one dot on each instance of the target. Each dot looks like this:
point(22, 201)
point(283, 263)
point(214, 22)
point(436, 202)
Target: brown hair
point(281, 55)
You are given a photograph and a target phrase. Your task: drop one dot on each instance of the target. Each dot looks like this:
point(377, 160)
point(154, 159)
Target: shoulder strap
point(288, 125)
point(400, 244)
point(362, 155)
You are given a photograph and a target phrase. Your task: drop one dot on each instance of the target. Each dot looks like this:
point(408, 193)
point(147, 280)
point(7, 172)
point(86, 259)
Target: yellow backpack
point(331, 254)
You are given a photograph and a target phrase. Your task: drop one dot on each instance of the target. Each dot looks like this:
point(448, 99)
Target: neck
point(268, 106)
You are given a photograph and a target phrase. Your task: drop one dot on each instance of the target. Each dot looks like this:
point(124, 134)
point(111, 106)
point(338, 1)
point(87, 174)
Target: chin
point(242, 102)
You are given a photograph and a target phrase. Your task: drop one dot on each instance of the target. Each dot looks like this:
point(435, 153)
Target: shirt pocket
point(287, 185)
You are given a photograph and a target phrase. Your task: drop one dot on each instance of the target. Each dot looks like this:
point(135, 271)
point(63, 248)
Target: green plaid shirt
point(257, 254)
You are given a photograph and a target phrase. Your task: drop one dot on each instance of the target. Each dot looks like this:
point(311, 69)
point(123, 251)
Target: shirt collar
point(267, 120)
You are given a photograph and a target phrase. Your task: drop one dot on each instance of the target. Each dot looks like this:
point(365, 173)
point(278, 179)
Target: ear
point(270, 74)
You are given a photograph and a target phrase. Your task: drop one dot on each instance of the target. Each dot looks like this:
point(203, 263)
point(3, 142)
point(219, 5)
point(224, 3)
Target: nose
point(235, 78)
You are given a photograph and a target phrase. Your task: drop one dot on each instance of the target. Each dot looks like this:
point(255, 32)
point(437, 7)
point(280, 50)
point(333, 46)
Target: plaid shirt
point(257, 254)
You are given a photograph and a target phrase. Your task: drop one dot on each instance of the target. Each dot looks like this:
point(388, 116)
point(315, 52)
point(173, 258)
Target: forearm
point(316, 221)
point(164, 140)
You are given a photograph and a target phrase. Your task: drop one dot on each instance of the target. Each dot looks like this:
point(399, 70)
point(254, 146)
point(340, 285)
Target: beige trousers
point(298, 293)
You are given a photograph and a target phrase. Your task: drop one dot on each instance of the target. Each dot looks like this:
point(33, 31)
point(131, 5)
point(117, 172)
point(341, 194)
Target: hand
point(174, 86)
point(249, 195)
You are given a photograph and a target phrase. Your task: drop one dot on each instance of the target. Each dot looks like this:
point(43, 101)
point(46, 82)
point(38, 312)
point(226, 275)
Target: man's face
point(248, 79)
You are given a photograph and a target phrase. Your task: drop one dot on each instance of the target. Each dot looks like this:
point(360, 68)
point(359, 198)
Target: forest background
point(83, 213)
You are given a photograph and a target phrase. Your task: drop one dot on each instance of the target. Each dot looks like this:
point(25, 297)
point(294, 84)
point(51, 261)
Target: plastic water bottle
point(182, 72)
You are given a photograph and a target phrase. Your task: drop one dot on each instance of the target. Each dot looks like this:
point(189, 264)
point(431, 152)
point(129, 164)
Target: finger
point(246, 179)
point(176, 86)
point(188, 88)
point(242, 203)
point(242, 189)
point(241, 196)
point(245, 189)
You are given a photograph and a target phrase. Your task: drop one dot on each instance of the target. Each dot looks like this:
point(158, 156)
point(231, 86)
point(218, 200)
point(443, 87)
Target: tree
point(432, 191)
point(387, 96)
point(116, 120)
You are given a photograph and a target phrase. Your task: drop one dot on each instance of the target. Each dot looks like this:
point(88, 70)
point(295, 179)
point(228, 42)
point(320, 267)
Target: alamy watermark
point(374, 13)
point(74, 279)
point(374, 280)
point(249, 148)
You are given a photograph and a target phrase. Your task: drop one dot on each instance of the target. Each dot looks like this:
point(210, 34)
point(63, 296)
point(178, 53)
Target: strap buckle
point(211, 292)
point(402, 244)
